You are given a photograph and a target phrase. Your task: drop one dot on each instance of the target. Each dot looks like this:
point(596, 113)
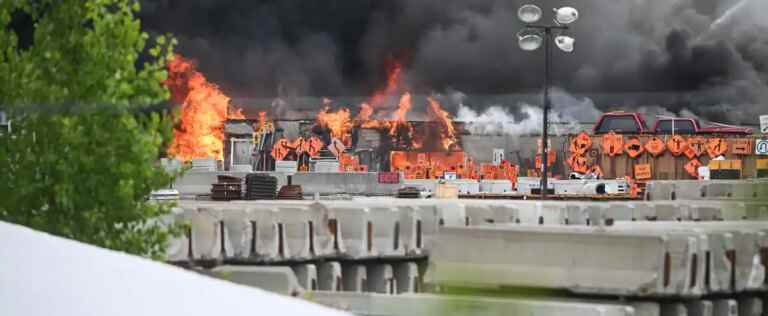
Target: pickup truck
point(634, 123)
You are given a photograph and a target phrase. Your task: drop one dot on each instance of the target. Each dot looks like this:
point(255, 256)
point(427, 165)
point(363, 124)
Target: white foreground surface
point(41, 274)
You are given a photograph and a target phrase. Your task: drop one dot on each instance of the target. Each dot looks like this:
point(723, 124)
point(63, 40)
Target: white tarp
point(41, 274)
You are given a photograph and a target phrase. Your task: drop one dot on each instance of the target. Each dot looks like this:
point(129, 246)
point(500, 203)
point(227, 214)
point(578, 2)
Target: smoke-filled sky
point(706, 56)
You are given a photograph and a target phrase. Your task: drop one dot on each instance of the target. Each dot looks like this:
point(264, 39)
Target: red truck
point(634, 123)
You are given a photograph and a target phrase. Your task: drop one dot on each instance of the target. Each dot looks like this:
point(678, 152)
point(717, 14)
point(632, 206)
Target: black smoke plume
point(706, 56)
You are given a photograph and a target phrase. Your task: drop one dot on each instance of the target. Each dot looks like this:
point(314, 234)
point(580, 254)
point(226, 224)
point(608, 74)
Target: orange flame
point(339, 123)
point(204, 110)
point(394, 72)
point(448, 131)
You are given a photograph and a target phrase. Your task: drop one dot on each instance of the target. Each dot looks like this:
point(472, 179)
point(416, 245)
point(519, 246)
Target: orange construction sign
point(655, 146)
point(697, 146)
point(692, 167)
point(741, 146)
point(716, 147)
point(613, 144)
point(578, 163)
point(634, 147)
point(677, 145)
point(580, 144)
point(643, 172)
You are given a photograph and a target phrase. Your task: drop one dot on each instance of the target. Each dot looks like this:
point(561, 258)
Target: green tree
point(81, 159)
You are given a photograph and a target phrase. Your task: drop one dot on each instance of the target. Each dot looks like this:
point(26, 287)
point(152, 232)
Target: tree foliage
point(81, 160)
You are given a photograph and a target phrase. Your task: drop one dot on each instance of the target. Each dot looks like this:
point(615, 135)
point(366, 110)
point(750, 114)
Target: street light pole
point(546, 103)
point(545, 128)
point(530, 39)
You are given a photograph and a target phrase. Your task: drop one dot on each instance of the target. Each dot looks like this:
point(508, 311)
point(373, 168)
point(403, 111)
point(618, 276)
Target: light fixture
point(566, 15)
point(565, 43)
point(529, 40)
point(529, 13)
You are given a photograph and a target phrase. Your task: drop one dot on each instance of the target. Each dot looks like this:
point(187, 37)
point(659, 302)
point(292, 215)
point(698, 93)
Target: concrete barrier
point(178, 247)
point(726, 307)
point(381, 278)
point(674, 309)
point(579, 259)
point(329, 276)
point(496, 186)
point(385, 232)
point(700, 308)
point(274, 279)
point(407, 277)
point(353, 231)
point(306, 275)
point(355, 278)
point(750, 306)
point(207, 233)
point(430, 304)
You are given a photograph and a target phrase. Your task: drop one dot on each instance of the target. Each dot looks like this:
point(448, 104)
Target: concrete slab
point(579, 259)
point(274, 279)
point(430, 304)
point(407, 277)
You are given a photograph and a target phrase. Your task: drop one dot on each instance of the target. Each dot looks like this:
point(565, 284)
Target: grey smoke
point(709, 57)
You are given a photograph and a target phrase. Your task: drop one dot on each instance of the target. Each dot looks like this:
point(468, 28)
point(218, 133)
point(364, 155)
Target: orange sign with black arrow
point(716, 147)
point(677, 145)
point(634, 147)
point(655, 146)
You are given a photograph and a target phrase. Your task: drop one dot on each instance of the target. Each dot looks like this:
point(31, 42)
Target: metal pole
point(545, 129)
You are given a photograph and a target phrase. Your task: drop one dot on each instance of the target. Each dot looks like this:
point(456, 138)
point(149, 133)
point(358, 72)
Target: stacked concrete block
point(207, 236)
point(428, 304)
point(239, 228)
point(700, 308)
point(270, 237)
point(355, 277)
point(178, 248)
point(306, 275)
point(352, 235)
point(385, 232)
point(726, 307)
point(381, 278)
point(274, 279)
point(407, 277)
point(329, 276)
point(580, 259)
point(750, 306)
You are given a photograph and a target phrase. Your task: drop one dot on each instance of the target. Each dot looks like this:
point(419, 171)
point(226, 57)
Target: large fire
point(204, 110)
